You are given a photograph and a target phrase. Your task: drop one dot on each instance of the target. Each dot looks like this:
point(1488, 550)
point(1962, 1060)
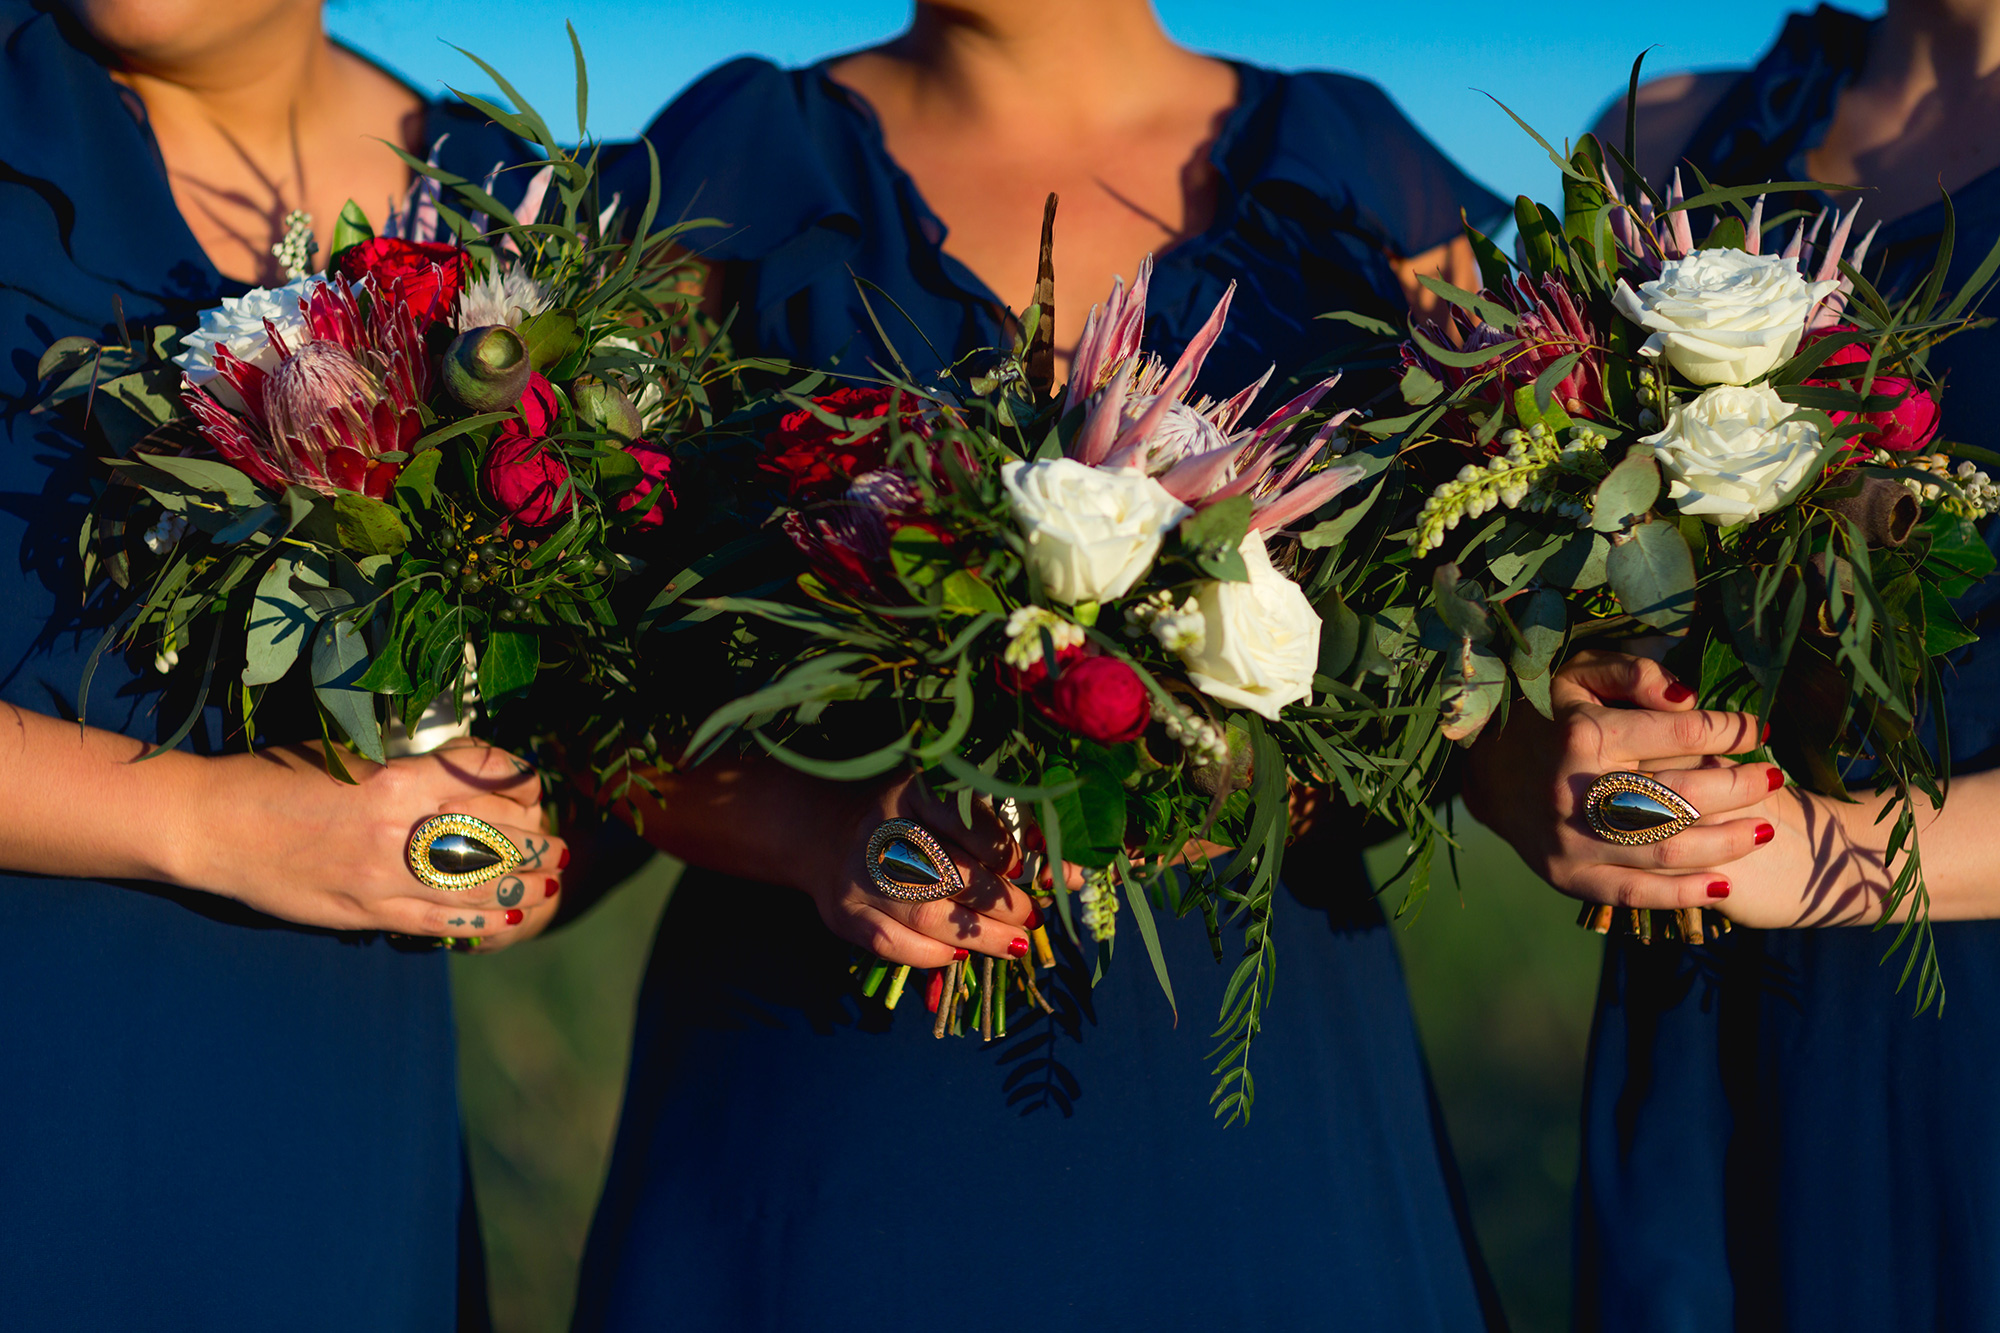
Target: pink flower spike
point(1227, 415)
point(1084, 365)
point(1753, 235)
point(1681, 233)
point(1305, 402)
point(1306, 497)
point(1193, 478)
point(1795, 249)
point(1199, 345)
point(1100, 421)
point(1861, 250)
point(1836, 245)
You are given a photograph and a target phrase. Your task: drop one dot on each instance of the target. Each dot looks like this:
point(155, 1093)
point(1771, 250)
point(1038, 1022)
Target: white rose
point(1260, 640)
point(1723, 316)
point(1092, 532)
point(1730, 456)
point(238, 324)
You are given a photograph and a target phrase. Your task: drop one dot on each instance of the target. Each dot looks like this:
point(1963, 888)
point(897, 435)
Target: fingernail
point(1765, 833)
point(1718, 888)
point(1776, 777)
point(1764, 735)
point(1034, 917)
point(960, 955)
point(562, 862)
point(1678, 693)
point(1018, 947)
point(554, 887)
point(514, 916)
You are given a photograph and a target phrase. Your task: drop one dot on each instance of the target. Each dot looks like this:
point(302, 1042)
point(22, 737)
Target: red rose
point(424, 275)
point(1098, 698)
point(524, 476)
point(1903, 429)
point(803, 452)
point(654, 465)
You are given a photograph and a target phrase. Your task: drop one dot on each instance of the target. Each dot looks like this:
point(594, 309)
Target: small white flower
point(166, 659)
point(238, 324)
point(506, 296)
point(1260, 644)
point(1092, 532)
point(1723, 316)
point(165, 534)
point(1178, 629)
point(1731, 456)
point(1024, 635)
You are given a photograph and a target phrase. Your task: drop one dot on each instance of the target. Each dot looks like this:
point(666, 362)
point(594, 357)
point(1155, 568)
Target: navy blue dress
point(792, 1158)
point(1771, 1140)
point(213, 1120)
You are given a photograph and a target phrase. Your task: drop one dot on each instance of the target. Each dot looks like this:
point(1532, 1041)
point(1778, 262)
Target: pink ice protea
point(335, 404)
point(1550, 325)
point(1135, 415)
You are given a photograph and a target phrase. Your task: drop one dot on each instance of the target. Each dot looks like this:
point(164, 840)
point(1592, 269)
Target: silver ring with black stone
point(1634, 810)
point(906, 863)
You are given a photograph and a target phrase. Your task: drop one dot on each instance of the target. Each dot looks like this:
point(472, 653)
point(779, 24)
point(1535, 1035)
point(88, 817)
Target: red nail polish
point(514, 916)
point(1034, 917)
point(1764, 735)
point(1719, 889)
point(1776, 777)
point(553, 888)
point(1678, 693)
point(1765, 833)
point(562, 862)
point(1018, 947)
point(960, 955)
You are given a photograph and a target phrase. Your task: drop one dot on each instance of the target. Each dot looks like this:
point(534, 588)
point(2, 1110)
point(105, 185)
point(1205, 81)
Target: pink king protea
point(334, 404)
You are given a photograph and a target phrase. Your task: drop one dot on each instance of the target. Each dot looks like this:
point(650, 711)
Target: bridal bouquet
point(405, 484)
point(1089, 609)
point(1724, 446)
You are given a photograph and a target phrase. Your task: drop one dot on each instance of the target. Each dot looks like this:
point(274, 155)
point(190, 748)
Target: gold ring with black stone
point(458, 852)
point(1633, 810)
point(906, 863)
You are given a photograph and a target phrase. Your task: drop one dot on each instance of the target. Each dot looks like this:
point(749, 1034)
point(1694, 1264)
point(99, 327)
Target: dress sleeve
point(1351, 144)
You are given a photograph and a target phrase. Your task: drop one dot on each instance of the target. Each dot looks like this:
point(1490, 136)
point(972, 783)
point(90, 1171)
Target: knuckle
point(1673, 853)
point(1689, 731)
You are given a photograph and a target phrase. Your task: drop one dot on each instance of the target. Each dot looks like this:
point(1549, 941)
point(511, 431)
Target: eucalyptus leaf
point(339, 660)
point(1652, 573)
point(1628, 493)
point(278, 627)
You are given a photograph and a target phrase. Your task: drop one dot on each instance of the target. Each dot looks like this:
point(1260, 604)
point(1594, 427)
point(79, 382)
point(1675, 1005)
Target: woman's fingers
point(461, 920)
point(528, 885)
point(865, 923)
point(1717, 788)
point(1599, 677)
point(1703, 847)
point(1627, 886)
point(986, 840)
point(479, 768)
point(952, 922)
point(1632, 736)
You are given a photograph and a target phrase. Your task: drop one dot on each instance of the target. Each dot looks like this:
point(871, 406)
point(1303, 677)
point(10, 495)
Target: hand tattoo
point(479, 923)
point(531, 858)
point(456, 921)
point(511, 891)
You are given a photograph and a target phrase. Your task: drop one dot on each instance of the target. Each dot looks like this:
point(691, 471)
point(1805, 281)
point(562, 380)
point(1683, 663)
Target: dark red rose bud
point(1099, 698)
point(654, 465)
point(805, 454)
point(1902, 429)
point(523, 475)
point(423, 275)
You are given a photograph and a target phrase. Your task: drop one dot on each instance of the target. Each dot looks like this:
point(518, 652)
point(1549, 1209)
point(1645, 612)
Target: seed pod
point(604, 407)
point(487, 368)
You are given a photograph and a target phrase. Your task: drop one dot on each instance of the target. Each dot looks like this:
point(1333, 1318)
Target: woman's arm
point(271, 829)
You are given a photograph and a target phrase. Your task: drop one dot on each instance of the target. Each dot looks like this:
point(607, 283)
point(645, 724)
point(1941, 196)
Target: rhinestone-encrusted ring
point(908, 864)
point(457, 852)
point(1632, 809)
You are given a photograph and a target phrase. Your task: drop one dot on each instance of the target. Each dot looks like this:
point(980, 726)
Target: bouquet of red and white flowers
point(1093, 609)
point(1726, 443)
point(409, 483)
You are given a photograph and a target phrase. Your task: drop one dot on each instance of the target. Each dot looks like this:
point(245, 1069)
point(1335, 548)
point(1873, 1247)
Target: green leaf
point(278, 627)
point(1579, 563)
point(1461, 605)
point(415, 486)
point(551, 337)
point(1538, 250)
point(1475, 686)
point(1542, 621)
point(1092, 813)
point(65, 355)
point(1488, 312)
point(1221, 526)
point(1471, 360)
point(1652, 572)
point(1420, 386)
point(509, 663)
point(367, 526)
point(1142, 916)
point(205, 474)
point(967, 593)
point(351, 228)
point(920, 558)
point(1944, 631)
point(1728, 234)
point(1628, 493)
point(339, 660)
point(1339, 635)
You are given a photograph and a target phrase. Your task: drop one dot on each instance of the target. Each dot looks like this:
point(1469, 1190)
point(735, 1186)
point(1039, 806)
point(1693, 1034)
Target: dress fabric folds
point(792, 1157)
point(214, 1120)
point(1771, 1139)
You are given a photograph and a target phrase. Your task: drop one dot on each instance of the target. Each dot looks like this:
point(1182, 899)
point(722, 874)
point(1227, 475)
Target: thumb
point(1598, 677)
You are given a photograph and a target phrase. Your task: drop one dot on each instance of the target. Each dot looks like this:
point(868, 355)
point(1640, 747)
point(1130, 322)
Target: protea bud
point(487, 368)
point(604, 407)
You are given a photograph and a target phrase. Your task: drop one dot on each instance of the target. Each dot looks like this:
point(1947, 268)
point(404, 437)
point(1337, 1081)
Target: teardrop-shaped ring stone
point(459, 854)
point(906, 863)
point(1631, 811)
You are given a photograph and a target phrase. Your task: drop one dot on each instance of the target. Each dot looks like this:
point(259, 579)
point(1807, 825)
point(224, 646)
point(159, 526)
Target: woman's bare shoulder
point(1671, 108)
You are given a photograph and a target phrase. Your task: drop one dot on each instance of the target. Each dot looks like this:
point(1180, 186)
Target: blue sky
point(1555, 62)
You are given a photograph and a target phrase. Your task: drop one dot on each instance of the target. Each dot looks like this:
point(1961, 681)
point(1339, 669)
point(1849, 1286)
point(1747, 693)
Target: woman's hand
point(990, 917)
point(1527, 783)
point(273, 830)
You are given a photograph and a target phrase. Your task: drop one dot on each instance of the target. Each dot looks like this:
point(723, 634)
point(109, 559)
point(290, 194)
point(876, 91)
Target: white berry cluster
point(1179, 629)
point(1964, 490)
point(1198, 736)
point(1024, 635)
point(1099, 898)
point(295, 251)
point(164, 535)
point(1525, 477)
